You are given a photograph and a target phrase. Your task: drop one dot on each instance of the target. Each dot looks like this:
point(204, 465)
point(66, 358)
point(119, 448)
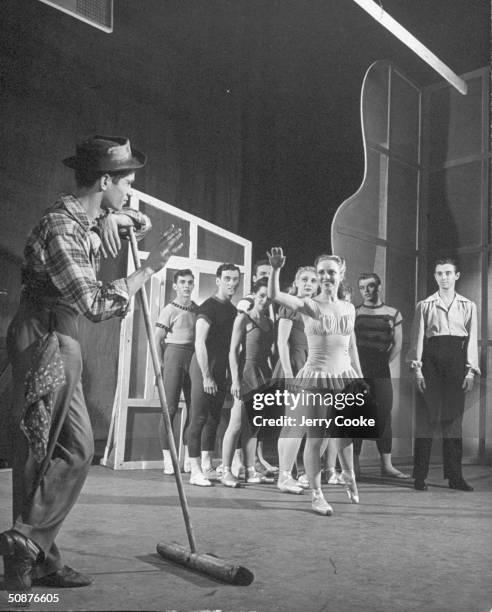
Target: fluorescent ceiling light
point(381, 16)
point(97, 13)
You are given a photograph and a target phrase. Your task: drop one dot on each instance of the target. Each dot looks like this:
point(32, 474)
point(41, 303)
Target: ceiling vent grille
point(97, 13)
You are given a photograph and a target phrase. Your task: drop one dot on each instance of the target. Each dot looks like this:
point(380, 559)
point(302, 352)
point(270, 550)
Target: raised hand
point(276, 258)
point(169, 244)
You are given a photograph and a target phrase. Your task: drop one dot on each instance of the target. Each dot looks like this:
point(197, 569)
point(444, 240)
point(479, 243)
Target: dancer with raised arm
point(331, 365)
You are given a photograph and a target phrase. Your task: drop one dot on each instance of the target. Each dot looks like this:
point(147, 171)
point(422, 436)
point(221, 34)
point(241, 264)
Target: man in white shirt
point(444, 358)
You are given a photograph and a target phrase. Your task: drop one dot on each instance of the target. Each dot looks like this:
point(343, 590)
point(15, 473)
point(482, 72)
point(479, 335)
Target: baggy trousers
point(41, 516)
point(441, 405)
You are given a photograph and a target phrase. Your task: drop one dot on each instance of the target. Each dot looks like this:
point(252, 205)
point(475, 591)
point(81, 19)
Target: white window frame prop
point(114, 455)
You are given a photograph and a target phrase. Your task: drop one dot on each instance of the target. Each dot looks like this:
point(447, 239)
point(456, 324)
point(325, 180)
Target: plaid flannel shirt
point(62, 258)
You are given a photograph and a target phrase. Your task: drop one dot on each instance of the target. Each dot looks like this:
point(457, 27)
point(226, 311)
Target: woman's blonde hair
point(300, 271)
point(304, 269)
point(339, 260)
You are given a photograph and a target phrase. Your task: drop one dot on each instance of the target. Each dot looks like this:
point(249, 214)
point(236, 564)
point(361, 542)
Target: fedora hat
point(105, 154)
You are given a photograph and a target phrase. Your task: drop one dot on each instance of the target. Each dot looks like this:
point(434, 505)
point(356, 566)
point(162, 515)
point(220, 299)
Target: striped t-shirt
point(375, 325)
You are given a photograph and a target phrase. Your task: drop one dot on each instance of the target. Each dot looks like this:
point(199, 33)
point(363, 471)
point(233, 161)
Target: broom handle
point(109, 441)
point(162, 397)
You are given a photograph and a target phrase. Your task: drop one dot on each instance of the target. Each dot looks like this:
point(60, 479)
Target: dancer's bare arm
point(284, 329)
point(277, 260)
point(236, 338)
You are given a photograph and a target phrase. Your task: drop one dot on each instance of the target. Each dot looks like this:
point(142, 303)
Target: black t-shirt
point(220, 315)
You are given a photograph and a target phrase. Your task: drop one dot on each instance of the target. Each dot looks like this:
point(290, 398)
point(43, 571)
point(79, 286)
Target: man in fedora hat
point(59, 283)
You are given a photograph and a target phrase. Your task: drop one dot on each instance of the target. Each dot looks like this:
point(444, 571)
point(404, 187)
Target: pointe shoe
point(320, 505)
point(229, 480)
point(199, 480)
point(211, 474)
point(238, 470)
point(287, 484)
point(262, 469)
point(333, 477)
point(237, 473)
point(303, 481)
point(351, 486)
point(394, 473)
point(254, 477)
point(267, 467)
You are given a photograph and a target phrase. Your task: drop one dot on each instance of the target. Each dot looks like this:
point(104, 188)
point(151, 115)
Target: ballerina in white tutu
point(331, 365)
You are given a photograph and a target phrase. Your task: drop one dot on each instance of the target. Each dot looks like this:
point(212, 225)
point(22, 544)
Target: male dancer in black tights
point(209, 371)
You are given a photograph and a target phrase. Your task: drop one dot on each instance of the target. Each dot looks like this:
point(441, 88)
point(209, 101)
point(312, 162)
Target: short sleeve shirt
point(220, 315)
point(375, 327)
point(179, 323)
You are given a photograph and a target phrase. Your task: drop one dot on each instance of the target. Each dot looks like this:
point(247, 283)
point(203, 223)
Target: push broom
point(201, 562)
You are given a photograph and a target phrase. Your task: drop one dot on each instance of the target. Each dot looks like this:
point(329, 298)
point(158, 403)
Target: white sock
point(206, 460)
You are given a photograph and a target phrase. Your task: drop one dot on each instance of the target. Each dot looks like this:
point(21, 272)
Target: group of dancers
point(211, 350)
point(322, 343)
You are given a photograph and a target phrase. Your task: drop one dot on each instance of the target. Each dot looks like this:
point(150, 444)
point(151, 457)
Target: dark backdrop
point(248, 109)
point(303, 144)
